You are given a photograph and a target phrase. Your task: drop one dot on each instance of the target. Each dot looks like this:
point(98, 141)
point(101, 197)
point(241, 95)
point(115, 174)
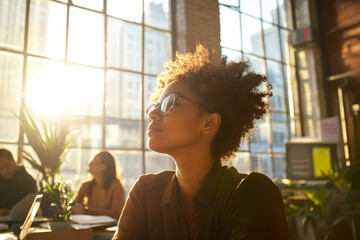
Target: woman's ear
point(212, 123)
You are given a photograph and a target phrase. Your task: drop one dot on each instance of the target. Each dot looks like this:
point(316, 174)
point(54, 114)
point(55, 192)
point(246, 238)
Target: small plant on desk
point(61, 203)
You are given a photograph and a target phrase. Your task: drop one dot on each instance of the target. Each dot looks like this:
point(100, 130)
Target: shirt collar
point(170, 193)
point(205, 193)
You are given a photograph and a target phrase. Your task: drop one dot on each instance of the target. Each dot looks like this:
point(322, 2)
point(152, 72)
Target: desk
point(72, 234)
point(42, 233)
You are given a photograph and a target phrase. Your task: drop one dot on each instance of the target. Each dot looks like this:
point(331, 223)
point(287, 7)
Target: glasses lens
point(167, 104)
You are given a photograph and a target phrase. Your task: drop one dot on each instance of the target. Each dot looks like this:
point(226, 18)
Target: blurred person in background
point(104, 193)
point(15, 182)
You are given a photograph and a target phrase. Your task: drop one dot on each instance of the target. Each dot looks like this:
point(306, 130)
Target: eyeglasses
point(167, 104)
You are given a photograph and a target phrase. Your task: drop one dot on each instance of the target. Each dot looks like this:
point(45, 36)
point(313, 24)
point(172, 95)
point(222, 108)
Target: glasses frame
point(153, 106)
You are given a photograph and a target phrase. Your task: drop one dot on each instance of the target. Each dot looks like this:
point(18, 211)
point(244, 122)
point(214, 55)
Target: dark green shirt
point(228, 205)
point(14, 189)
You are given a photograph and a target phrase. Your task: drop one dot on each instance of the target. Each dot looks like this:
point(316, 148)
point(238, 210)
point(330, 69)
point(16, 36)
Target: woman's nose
point(154, 113)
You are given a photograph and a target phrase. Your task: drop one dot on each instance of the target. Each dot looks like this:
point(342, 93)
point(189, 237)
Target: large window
point(257, 31)
point(92, 63)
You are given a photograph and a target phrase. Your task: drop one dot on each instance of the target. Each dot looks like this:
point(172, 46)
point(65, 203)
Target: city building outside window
point(257, 31)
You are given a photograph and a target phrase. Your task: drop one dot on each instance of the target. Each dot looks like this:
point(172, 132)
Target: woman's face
point(96, 166)
point(180, 128)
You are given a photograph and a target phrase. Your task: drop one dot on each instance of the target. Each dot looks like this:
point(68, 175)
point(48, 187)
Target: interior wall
point(341, 48)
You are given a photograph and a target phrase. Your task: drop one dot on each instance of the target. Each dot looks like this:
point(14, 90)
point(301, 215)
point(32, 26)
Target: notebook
point(27, 223)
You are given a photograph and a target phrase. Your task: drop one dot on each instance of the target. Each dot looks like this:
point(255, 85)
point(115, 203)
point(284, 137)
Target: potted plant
point(60, 196)
point(333, 209)
point(50, 141)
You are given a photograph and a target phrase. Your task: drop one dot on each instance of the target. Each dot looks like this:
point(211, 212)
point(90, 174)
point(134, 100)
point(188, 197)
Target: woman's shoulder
point(258, 189)
point(151, 183)
point(156, 178)
point(257, 201)
point(86, 183)
point(84, 186)
point(230, 173)
point(257, 180)
point(116, 183)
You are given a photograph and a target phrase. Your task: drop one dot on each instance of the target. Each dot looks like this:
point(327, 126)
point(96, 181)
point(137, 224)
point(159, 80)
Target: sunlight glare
point(57, 91)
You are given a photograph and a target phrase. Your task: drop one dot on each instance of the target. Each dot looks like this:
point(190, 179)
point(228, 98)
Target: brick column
point(196, 21)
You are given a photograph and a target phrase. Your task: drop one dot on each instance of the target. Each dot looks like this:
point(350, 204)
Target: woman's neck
point(99, 180)
point(191, 170)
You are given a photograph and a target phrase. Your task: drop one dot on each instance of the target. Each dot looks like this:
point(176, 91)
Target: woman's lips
point(153, 129)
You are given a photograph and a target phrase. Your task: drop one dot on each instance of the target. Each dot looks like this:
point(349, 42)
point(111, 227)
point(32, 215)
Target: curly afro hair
point(232, 89)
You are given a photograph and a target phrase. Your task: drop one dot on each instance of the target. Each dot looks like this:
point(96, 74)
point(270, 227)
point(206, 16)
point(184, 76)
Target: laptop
point(20, 210)
point(27, 223)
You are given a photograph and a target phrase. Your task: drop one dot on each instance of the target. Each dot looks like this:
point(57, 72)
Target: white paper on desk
point(3, 226)
point(85, 226)
point(91, 219)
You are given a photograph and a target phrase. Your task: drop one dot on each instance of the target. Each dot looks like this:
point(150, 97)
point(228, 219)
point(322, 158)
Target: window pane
point(275, 78)
point(45, 87)
point(285, 48)
point(13, 149)
point(278, 132)
point(251, 7)
point(259, 141)
point(272, 42)
point(123, 134)
point(128, 10)
point(270, 11)
point(251, 33)
point(157, 50)
point(244, 145)
point(241, 162)
point(10, 95)
point(92, 4)
point(12, 23)
point(231, 55)
point(257, 64)
point(150, 84)
point(89, 102)
point(47, 28)
point(230, 2)
point(32, 171)
point(88, 132)
point(157, 14)
point(124, 45)
point(262, 163)
point(279, 163)
point(86, 38)
point(123, 95)
point(156, 162)
point(230, 28)
point(129, 165)
point(146, 137)
point(285, 13)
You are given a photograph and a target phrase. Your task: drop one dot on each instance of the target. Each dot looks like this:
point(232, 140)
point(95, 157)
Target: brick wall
point(197, 21)
point(341, 24)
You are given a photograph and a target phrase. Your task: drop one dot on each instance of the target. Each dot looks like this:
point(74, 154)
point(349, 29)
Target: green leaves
point(49, 140)
point(329, 205)
point(61, 200)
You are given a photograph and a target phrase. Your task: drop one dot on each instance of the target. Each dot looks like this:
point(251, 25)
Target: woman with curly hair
point(203, 109)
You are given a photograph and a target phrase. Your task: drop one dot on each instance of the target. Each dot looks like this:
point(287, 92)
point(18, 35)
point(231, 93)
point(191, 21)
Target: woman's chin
point(155, 146)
